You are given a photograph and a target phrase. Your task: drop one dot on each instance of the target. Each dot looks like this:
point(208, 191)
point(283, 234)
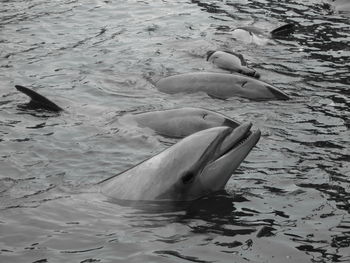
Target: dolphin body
point(258, 36)
point(198, 165)
point(181, 122)
point(220, 85)
point(175, 123)
point(231, 61)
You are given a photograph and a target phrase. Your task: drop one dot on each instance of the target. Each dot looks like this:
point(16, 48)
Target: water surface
point(289, 200)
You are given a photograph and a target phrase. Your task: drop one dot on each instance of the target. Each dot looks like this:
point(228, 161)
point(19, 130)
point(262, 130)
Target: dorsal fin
point(284, 30)
point(38, 101)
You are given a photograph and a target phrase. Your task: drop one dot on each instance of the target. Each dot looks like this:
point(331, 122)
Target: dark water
point(289, 201)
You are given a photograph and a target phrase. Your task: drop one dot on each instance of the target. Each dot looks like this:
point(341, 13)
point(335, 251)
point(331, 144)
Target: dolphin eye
point(188, 177)
point(204, 115)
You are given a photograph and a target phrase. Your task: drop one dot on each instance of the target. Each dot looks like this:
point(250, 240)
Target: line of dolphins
point(243, 83)
point(213, 145)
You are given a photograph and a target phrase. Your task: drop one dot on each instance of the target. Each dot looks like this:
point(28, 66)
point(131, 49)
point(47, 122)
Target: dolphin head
point(211, 166)
point(192, 168)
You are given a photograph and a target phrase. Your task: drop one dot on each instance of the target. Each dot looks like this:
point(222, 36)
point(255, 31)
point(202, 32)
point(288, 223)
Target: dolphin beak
point(210, 152)
point(265, 91)
point(233, 138)
point(230, 123)
point(223, 143)
point(278, 93)
point(229, 154)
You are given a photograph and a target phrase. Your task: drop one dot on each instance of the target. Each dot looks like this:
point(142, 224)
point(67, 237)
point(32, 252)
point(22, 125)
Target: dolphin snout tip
point(246, 125)
point(283, 96)
point(258, 132)
point(278, 94)
point(230, 123)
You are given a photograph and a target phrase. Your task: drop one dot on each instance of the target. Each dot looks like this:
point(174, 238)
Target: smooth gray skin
point(251, 35)
point(181, 122)
point(196, 166)
point(259, 36)
point(232, 62)
point(220, 85)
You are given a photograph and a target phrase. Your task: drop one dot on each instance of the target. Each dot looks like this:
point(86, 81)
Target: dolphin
point(175, 123)
point(231, 61)
point(196, 166)
point(220, 85)
point(181, 122)
point(250, 34)
point(38, 101)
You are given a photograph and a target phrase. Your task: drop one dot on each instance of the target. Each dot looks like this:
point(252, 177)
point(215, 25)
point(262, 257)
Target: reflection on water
point(289, 201)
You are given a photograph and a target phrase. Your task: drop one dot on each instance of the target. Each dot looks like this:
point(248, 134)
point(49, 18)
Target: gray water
point(289, 200)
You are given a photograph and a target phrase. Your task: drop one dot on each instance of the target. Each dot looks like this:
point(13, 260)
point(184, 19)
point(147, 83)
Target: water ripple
point(289, 201)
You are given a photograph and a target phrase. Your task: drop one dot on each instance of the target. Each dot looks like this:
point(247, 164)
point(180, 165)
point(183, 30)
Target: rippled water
point(289, 201)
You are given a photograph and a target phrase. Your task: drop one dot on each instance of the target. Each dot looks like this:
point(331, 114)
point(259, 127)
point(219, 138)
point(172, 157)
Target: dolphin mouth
point(236, 139)
point(228, 141)
point(230, 148)
point(237, 144)
point(245, 145)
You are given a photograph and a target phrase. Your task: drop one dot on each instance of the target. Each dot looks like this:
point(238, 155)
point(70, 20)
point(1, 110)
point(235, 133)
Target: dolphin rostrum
point(220, 85)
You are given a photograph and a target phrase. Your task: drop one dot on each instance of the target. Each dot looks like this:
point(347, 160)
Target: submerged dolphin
point(200, 164)
point(231, 61)
point(259, 36)
point(220, 85)
point(176, 123)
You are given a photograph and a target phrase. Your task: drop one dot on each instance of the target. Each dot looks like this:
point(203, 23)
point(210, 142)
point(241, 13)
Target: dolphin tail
point(38, 101)
point(283, 31)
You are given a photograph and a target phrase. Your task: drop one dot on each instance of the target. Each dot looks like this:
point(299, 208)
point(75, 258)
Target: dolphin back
point(38, 101)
